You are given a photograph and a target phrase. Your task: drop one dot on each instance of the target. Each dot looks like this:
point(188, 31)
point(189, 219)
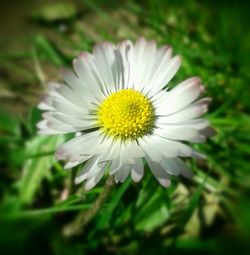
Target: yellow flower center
point(126, 114)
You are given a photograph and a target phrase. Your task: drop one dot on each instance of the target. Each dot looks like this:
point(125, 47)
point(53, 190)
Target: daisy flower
point(117, 102)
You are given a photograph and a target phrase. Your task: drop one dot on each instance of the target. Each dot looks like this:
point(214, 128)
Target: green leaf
point(56, 11)
point(37, 168)
point(47, 211)
point(108, 211)
point(9, 124)
point(34, 117)
point(47, 51)
point(153, 212)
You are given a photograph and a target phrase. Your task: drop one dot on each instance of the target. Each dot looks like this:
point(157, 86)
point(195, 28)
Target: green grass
point(209, 214)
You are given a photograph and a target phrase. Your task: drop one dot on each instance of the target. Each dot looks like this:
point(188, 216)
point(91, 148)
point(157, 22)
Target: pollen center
point(126, 114)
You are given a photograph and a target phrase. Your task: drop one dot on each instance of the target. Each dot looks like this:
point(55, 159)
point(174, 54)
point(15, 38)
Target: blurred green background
point(207, 215)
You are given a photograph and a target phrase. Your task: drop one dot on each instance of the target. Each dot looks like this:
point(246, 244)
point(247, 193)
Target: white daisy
point(116, 98)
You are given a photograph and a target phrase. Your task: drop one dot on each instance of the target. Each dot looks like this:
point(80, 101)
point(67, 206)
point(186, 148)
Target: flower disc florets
point(126, 114)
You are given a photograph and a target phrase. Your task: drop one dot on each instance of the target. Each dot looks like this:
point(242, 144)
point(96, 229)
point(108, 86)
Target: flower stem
point(83, 219)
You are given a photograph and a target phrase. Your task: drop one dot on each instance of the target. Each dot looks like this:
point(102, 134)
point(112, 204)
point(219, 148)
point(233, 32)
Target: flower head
point(116, 98)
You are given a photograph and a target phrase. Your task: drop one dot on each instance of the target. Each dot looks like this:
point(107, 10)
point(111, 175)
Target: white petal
point(198, 124)
point(126, 51)
point(94, 180)
point(79, 148)
point(45, 130)
point(90, 170)
point(163, 56)
point(72, 96)
point(171, 68)
point(76, 84)
point(176, 166)
point(97, 169)
point(157, 147)
point(138, 61)
point(129, 151)
point(178, 133)
point(109, 149)
point(126, 157)
point(48, 125)
point(64, 106)
point(198, 155)
point(104, 57)
point(208, 132)
point(158, 172)
point(151, 146)
point(137, 170)
point(124, 154)
point(45, 107)
point(192, 112)
point(115, 165)
point(90, 75)
point(71, 164)
point(181, 96)
point(146, 65)
point(79, 124)
point(122, 174)
point(83, 173)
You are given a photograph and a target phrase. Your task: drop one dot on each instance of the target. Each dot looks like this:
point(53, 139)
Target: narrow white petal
point(90, 170)
point(79, 148)
point(198, 124)
point(76, 84)
point(66, 107)
point(147, 64)
point(109, 149)
point(137, 170)
point(176, 166)
point(162, 58)
point(170, 70)
point(104, 58)
point(126, 157)
point(138, 54)
point(126, 51)
point(129, 151)
point(45, 130)
point(90, 75)
point(179, 97)
point(45, 107)
point(122, 174)
point(162, 177)
point(97, 169)
point(79, 124)
point(192, 112)
point(179, 133)
point(157, 147)
point(122, 154)
point(57, 125)
point(94, 180)
point(115, 165)
point(72, 96)
point(83, 173)
point(208, 131)
point(151, 146)
point(69, 165)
